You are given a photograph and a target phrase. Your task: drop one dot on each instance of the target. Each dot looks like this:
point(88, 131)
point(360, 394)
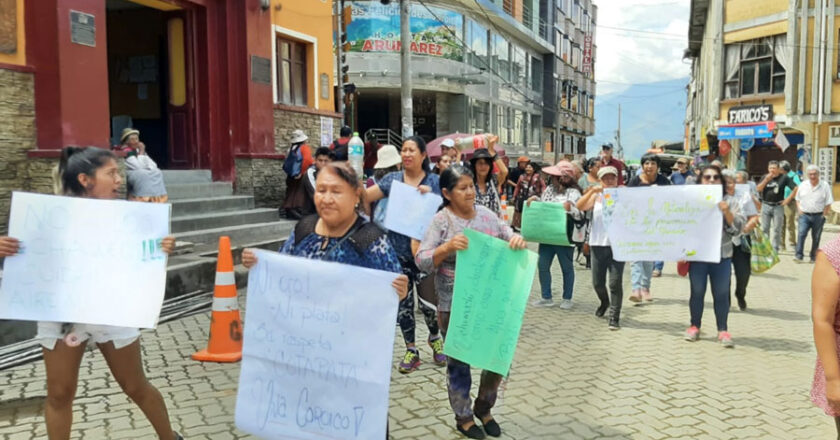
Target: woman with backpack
point(297, 162)
point(563, 189)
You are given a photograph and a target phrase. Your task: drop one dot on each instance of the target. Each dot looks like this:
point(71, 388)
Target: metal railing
point(385, 136)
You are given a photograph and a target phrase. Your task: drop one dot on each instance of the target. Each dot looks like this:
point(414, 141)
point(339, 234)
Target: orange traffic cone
point(225, 324)
point(504, 209)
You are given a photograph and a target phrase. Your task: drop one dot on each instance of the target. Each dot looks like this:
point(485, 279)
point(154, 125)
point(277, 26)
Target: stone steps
point(203, 205)
point(217, 220)
point(199, 190)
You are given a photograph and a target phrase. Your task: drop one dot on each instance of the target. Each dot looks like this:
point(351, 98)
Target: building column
point(71, 78)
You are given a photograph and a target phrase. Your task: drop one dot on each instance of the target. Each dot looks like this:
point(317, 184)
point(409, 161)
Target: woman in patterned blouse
point(486, 181)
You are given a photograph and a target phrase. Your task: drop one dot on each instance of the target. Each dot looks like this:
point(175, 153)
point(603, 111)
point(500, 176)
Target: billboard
point(435, 32)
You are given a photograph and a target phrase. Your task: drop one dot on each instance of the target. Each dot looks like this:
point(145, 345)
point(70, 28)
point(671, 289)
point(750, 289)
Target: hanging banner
point(434, 31)
point(750, 131)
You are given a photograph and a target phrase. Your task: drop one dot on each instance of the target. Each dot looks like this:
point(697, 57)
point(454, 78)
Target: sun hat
point(128, 132)
point(299, 136)
point(448, 143)
point(481, 153)
point(386, 157)
point(562, 168)
point(607, 170)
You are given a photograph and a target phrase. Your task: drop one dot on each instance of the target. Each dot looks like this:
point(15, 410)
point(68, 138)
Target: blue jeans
point(640, 272)
point(719, 274)
point(565, 254)
point(658, 265)
point(815, 223)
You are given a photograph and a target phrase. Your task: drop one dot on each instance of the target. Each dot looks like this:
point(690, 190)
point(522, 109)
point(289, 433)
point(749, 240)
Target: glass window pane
point(299, 84)
point(300, 53)
point(285, 50)
point(286, 82)
point(748, 79)
point(764, 76)
point(779, 84)
point(731, 90)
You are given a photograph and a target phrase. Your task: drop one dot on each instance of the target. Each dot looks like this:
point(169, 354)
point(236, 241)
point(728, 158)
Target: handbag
point(763, 255)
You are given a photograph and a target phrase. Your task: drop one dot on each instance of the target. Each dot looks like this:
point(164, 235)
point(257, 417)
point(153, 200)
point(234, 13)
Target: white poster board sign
point(85, 261)
point(825, 162)
point(318, 348)
point(409, 212)
point(664, 223)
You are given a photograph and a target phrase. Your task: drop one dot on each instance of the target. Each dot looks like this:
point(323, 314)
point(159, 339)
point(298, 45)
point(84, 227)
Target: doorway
point(149, 82)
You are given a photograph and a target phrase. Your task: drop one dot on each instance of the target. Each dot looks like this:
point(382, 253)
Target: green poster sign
point(544, 222)
point(492, 284)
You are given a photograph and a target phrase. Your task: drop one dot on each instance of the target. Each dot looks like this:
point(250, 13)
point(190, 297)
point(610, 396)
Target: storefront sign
point(587, 54)
point(764, 130)
point(834, 135)
point(825, 162)
point(749, 114)
point(376, 28)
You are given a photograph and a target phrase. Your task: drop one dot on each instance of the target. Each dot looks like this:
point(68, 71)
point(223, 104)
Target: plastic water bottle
point(356, 154)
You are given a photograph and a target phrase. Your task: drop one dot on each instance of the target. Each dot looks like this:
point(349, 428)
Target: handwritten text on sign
point(664, 223)
point(492, 283)
point(85, 261)
point(316, 358)
point(409, 212)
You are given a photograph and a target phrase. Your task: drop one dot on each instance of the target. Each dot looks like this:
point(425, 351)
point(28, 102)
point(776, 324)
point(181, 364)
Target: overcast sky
point(651, 55)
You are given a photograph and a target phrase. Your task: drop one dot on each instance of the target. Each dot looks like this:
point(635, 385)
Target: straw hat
point(299, 136)
point(128, 132)
point(386, 157)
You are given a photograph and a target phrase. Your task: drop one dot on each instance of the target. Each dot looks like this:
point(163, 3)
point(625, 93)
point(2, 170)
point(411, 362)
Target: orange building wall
point(315, 19)
point(19, 57)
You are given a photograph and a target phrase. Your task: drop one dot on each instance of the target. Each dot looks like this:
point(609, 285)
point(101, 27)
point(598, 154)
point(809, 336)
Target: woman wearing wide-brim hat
point(144, 181)
point(486, 181)
point(297, 162)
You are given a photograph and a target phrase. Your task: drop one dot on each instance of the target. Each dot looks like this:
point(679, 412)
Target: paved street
point(572, 378)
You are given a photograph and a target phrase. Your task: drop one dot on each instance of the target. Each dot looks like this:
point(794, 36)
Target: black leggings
point(405, 315)
point(741, 264)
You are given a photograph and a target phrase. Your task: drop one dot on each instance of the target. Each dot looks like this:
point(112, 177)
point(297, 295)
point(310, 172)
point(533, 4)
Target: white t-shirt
point(598, 232)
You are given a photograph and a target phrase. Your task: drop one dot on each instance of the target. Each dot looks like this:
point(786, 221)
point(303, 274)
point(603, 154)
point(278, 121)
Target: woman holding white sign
point(93, 173)
point(437, 254)
point(562, 189)
point(719, 274)
point(603, 261)
point(415, 173)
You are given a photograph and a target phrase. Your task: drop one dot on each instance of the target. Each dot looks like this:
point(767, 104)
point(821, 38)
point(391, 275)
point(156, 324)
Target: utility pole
point(405, 69)
point(339, 13)
point(619, 151)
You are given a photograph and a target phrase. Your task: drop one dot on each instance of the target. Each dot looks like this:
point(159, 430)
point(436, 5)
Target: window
point(502, 124)
point(576, 13)
point(756, 67)
point(480, 117)
point(563, 5)
point(477, 41)
point(291, 72)
point(536, 74)
point(558, 43)
point(566, 51)
point(519, 68)
point(536, 128)
point(507, 5)
point(501, 57)
point(518, 126)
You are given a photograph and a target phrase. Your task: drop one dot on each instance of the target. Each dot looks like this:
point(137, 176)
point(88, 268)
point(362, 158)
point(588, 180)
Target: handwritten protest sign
point(85, 261)
point(409, 212)
point(492, 284)
point(664, 223)
point(316, 358)
point(544, 222)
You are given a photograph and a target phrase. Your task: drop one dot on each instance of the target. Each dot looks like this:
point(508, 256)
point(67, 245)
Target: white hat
point(386, 157)
point(299, 136)
point(607, 170)
point(448, 143)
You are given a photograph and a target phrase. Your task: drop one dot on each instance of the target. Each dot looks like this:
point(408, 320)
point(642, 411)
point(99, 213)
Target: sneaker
point(798, 260)
point(656, 273)
point(410, 362)
point(636, 297)
point(692, 334)
point(566, 304)
point(725, 340)
point(437, 349)
point(614, 324)
point(646, 295)
point(543, 302)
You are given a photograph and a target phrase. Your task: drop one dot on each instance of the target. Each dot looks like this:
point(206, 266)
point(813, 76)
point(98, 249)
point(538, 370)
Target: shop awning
point(746, 131)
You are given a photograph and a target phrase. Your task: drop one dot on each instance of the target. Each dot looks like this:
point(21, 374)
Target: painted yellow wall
point(779, 27)
point(19, 57)
point(809, 65)
point(740, 10)
point(313, 18)
point(833, 71)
